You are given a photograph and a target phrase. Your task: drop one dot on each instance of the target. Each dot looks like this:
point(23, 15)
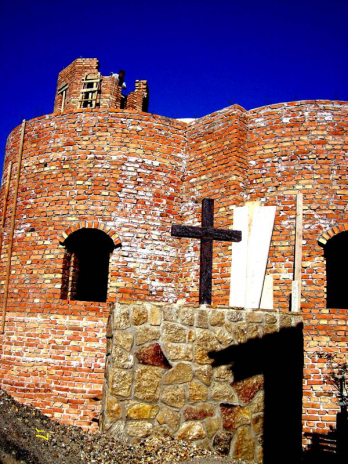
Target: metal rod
point(9, 256)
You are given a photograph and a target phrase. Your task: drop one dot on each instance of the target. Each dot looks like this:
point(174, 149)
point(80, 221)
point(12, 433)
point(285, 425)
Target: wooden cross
point(206, 234)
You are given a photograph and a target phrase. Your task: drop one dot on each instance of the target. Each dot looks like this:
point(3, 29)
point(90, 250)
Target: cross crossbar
point(207, 232)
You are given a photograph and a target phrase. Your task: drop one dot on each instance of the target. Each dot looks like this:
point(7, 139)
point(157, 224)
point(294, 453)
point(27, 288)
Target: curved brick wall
point(300, 147)
point(113, 169)
point(133, 175)
point(120, 169)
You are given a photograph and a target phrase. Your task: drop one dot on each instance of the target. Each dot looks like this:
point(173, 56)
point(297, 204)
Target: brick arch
point(90, 225)
point(331, 232)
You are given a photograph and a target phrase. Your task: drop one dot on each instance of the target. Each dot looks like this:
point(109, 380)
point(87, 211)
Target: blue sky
point(198, 56)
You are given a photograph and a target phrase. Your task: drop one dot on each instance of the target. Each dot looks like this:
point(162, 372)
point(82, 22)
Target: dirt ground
point(29, 437)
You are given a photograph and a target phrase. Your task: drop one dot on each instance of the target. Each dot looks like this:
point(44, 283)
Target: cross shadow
point(279, 357)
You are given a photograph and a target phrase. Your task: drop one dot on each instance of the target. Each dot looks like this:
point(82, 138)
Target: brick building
point(89, 194)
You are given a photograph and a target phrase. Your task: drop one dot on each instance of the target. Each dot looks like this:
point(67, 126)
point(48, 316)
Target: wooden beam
point(296, 289)
point(206, 232)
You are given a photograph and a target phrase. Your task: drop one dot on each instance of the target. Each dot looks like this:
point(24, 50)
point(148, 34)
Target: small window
point(336, 254)
point(86, 265)
point(90, 92)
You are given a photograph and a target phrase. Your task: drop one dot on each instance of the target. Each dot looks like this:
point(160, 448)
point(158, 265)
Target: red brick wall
point(73, 75)
point(134, 175)
point(118, 171)
point(216, 168)
point(324, 332)
point(300, 147)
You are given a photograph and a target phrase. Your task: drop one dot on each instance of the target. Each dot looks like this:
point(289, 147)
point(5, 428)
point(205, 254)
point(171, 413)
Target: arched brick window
point(86, 265)
point(336, 254)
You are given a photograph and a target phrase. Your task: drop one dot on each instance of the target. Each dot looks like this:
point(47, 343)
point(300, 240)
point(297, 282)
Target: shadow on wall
point(279, 357)
point(329, 448)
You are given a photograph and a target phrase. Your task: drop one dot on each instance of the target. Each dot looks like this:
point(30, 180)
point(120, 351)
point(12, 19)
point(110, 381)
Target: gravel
point(19, 443)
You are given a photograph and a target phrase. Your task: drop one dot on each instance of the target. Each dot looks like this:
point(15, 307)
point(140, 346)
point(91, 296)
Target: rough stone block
point(203, 373)
point(204, 343)
point(169, 417)
point(135, 410)
point(121, 318)
point(113, 409)
point(122, 358)
point(217, 318)
point(212, 425)
point(124, 339)
point(139, 315)
point(187, 316)
point(147, 383)
point(244, 446)
point(197, 392)
point(153, 356)
point(121, 382)
point(155, 315)
point(223, 392)
point(139, 429)
point(247, 389)
point(178, 351)
point(202, 319)
point(181, 373)
point(174, 396)
point(198, 412)
point(171, 313)
point(222, 442)
point(145, 334)
point(234, 416)
point(191, 431)
point(172, 332)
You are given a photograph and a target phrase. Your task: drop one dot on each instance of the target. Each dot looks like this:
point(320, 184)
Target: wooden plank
point(295, 296)
point(267, 293)
point(239, 258)
point(296, 302)
point(258, 249)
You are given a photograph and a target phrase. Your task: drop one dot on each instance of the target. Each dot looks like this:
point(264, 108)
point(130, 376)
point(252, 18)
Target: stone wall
point(168, 372)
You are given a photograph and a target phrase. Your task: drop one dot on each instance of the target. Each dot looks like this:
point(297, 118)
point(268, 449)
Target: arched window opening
point(86, 265)
point(336, 254)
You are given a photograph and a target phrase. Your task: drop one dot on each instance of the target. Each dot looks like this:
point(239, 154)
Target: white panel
point(258, 249)
point(239, 258)
point(267, 293)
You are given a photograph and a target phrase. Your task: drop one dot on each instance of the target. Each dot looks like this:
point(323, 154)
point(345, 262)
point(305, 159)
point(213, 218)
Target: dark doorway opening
point(86, 265)
point(336, 254)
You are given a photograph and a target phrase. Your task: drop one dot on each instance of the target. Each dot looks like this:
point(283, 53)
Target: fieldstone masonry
point(160, 378)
